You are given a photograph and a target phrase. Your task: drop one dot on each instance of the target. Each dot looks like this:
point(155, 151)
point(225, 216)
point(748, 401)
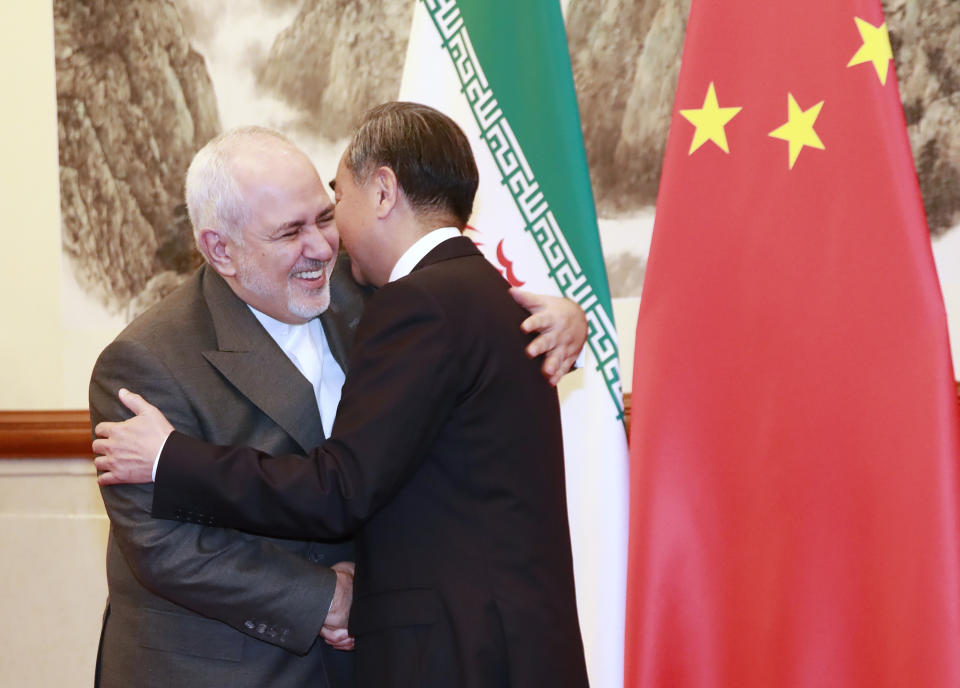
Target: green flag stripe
point(526, 191)
point(523, 50)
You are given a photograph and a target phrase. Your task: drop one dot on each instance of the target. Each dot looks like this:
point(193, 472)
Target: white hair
point(212, 193)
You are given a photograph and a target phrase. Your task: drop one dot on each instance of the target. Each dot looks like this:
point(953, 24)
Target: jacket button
point(261, 628)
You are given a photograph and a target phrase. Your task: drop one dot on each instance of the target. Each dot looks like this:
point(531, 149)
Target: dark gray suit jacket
point(192, 605)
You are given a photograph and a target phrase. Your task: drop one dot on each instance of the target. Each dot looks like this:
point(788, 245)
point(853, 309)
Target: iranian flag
point(501, 69)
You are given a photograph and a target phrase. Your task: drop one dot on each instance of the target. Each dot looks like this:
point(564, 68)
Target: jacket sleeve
point(258, 588)
point(400, 388)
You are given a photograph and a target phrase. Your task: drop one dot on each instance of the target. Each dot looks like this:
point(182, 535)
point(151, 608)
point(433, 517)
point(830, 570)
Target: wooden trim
point(45, 434)
point(66, 434)
point(626, 413)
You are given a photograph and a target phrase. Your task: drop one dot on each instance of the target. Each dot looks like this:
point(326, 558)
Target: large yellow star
point(798, 130)
point(710, 121)
point(875, 48)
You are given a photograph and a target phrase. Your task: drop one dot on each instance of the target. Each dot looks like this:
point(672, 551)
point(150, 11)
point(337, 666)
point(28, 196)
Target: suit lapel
point(253, 363)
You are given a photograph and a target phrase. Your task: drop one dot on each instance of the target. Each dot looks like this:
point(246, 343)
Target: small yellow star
point(798, 130)
point(875, 48)
point(710, 121)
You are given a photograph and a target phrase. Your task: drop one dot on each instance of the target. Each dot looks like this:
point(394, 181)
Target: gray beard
point(253, 281)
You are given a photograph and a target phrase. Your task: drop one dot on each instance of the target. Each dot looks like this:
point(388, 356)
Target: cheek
point(343, 224)
point(346, 239)
point(281, 264)
point(357, 273)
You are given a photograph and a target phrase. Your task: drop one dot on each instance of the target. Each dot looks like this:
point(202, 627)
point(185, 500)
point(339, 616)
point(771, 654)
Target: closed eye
point(288, 231)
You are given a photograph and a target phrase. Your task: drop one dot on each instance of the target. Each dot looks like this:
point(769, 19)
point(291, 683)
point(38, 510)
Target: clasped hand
point(334, 630)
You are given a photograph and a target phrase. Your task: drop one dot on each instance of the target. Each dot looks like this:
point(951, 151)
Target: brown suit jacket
point(447, 456)
point(192, 605)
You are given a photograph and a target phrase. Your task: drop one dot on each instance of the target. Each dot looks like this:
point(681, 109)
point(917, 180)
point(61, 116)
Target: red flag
point(794, 445)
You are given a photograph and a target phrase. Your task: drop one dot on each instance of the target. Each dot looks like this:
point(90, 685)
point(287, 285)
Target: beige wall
point(47, 354)
point(53, 535)
point(29, 207)
point(52, 525)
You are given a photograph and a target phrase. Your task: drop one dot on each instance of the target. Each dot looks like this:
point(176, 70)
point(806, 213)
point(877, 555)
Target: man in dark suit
point(446, 454)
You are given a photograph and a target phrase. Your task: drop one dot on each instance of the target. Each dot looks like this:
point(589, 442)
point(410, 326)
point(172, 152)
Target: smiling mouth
point(311, 275)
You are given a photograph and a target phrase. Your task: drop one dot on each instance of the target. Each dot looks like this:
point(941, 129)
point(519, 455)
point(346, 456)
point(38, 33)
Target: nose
point(320, 244)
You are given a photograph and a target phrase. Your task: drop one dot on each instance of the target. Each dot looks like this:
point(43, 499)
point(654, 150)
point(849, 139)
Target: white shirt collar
point(421, 247)
point(323, 371)
point(279, 331)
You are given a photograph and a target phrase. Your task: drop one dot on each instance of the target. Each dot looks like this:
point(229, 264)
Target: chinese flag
point(794, 486)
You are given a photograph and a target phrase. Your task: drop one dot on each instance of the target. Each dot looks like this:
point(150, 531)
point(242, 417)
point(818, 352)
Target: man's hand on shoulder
point(127, 450)
point(562, 331)
point(334, 630)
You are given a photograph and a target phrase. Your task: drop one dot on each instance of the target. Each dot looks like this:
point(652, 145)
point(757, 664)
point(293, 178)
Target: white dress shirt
point(306, 347)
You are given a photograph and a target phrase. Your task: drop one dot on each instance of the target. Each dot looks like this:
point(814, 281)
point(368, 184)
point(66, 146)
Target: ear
point(217, 249)
point(386, 188)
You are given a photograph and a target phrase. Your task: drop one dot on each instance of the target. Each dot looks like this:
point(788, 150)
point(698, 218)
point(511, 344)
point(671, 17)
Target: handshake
point(334, 630)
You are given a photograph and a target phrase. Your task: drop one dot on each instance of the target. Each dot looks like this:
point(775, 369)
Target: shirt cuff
point(156, 461)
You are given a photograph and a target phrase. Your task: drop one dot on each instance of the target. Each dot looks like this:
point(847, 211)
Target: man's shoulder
point(183, 314)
